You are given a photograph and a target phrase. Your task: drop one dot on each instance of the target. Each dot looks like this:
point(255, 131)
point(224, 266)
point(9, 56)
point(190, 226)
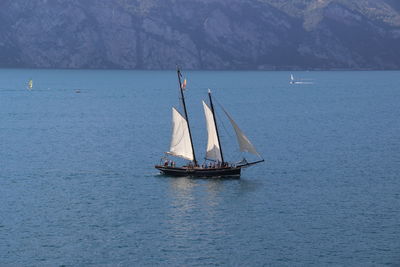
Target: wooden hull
point(200, 172)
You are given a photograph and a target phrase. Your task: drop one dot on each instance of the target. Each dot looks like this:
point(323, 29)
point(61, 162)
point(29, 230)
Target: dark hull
point(200, 172)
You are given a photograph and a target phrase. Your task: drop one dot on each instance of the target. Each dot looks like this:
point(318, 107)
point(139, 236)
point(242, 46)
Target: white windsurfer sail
point(30, 84)
point(213, 148)
point(181, 145)
point(292, 81)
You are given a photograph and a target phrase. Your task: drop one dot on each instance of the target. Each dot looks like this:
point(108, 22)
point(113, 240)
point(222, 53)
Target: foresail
point(181, 145)
point(244, 143)
point(213, 150)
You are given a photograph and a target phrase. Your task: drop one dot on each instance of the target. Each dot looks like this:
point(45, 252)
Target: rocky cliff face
point(200, 34)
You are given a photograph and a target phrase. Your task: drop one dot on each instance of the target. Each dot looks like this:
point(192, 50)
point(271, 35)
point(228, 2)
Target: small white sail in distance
point(30, 84)
point(213, 150)
point(244, 143)
point(181, 145)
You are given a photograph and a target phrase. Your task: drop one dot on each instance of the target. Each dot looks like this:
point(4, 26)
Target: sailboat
point(182, 145)
point(292, 79)
point(30, 84)
point(298, 81)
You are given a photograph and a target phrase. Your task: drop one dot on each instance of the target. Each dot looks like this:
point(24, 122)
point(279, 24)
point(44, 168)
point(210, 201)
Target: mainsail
point(213, 150)
point(181, 145)
point(244, 143)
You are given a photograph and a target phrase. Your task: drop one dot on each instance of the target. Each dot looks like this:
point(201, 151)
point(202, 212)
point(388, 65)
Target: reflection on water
point(195, 213)
point(187, 194)
point(183, 186)
point(180, 210)
point(182, 183)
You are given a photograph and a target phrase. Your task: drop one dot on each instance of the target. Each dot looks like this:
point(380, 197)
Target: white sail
point(244, 143)
point(181, 145)
point(213, 149)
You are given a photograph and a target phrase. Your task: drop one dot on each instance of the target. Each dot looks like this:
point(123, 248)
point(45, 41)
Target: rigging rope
point(219, 118)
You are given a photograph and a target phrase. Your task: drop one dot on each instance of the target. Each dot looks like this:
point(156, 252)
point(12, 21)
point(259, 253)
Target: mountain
point(200, 34)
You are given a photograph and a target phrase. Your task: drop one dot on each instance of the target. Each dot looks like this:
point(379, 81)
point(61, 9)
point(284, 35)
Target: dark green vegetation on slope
point(200, 34)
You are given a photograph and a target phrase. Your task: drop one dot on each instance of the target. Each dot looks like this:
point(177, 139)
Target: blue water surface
point(78, 184)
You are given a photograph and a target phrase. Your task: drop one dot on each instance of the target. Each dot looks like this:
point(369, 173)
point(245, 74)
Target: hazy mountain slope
point(200, 34)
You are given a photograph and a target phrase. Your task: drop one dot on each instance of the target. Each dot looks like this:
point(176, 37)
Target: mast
point(215, 124)
point(178, 71)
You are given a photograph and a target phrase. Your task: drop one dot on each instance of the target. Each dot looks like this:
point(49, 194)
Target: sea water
point(78, 184)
